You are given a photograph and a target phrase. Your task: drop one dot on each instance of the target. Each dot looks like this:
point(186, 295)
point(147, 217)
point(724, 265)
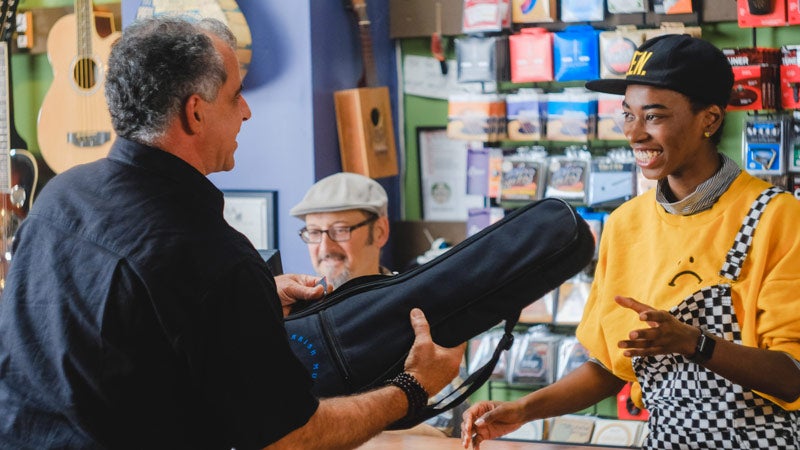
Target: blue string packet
point(576, 53)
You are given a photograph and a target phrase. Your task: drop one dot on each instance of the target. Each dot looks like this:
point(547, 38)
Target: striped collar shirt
point(706, 194)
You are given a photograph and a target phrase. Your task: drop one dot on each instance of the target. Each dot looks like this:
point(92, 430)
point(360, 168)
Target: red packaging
point(790, 76)
point(626, 410)
point(531, 54)
point(755, 78)
point(793, 12)
point(750, 13)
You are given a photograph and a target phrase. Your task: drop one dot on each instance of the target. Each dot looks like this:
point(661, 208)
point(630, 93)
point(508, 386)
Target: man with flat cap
point(346, 227)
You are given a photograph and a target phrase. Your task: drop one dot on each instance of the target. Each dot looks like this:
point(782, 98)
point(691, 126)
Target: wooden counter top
point(393, 441)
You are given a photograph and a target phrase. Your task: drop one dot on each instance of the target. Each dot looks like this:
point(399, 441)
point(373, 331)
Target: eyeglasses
point(337, 234)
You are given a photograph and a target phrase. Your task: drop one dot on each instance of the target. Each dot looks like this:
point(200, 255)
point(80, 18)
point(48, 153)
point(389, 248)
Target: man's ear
point(381, 231)
point(193, 113)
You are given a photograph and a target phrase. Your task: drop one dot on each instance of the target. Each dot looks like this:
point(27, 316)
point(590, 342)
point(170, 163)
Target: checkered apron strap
point(734, 260)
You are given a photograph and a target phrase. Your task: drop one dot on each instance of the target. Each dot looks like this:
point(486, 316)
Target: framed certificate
point(254, 214)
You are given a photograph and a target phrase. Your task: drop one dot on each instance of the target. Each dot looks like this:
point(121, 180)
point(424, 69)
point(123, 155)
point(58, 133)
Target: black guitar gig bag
point(359, 336)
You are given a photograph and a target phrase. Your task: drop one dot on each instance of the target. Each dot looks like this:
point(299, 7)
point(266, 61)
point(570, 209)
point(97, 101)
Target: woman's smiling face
point(668, 137)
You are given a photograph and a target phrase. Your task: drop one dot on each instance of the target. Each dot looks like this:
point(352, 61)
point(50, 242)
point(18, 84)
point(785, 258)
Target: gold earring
point(707, 134)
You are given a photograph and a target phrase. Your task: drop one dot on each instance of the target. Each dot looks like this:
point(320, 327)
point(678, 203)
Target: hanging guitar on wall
point(226, 11)
point(74, 125)
point(18, 169)
point(364, 115)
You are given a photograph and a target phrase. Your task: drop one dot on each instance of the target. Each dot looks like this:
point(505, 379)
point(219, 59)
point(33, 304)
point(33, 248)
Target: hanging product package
point(359, 336)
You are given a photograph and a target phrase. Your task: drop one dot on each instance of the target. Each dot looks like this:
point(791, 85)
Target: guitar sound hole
point(375, 116)
point(85, 73)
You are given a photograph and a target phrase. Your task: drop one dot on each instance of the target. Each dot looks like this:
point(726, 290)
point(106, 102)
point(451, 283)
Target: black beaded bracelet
point(416, 394)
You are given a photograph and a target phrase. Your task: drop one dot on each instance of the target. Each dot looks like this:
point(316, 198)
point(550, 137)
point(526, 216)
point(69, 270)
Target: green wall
point(421, 112)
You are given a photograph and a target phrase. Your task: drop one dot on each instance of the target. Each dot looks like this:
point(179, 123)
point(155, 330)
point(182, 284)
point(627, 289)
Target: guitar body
point(74, 125)
point(366, 136)
point(226, 11)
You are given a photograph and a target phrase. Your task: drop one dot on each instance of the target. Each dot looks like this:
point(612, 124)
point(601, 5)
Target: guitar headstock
point(360, 8)
point(8, 18)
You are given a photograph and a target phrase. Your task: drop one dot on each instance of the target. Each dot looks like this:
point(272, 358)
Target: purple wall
point(303, 50)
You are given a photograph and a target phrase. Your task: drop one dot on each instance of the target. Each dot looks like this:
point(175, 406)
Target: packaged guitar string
point(572, 297)
point(576, 53)
point(595, 220)
point(582, 10)
point(763, 145)
point(616, 50)
point(790, 76)
point(478, 171)
point(477, 117)
point(793, 142)
point(531, 55)
point(480, 218)
point(609, 117)
point(523, 176)
point(672, 6)
point(571, 115)
point(482, 16)
point(533, 361)
point(626, 6)
point(541, 310)
point(571, 355)
point(533, 11)
point(482, 59)
point(526, 110)
point(612, 179)
point(567, 174)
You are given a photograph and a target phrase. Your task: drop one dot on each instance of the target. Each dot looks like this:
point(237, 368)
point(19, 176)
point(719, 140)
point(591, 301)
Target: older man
point(346, 228)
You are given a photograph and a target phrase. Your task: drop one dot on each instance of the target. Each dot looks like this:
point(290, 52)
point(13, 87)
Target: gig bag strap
point(473, 382)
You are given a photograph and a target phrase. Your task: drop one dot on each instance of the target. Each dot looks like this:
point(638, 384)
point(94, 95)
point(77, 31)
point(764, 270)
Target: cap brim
point(609, 86)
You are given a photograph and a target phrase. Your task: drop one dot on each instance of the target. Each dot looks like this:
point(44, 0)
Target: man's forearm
point(347, 422)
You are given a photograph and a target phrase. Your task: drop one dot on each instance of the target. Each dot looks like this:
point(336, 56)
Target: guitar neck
point(370, 72)
point(83, 16)
point(5, 114)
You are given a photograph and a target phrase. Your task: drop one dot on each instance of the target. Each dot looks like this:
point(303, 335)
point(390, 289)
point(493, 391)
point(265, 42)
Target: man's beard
point(341, 274)
point(338, 279)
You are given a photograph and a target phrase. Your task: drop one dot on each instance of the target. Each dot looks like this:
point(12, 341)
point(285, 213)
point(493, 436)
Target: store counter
point(392, 441)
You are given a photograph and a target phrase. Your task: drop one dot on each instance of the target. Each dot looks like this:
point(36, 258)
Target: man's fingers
point(420, 324)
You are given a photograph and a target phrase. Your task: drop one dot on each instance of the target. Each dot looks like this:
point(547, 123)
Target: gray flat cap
point(341, 192)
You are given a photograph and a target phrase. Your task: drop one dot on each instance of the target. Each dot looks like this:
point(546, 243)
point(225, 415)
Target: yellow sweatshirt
point(659, 259)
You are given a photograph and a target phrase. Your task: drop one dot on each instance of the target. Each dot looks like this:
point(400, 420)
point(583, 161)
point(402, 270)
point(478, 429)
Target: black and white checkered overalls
point(694, 408)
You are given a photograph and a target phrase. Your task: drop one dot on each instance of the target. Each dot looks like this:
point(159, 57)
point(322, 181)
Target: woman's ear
point(713, 118)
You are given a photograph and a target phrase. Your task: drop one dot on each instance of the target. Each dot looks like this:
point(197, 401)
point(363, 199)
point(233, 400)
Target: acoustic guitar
point(364, 115)
point(226, 11)
point(74, 124)
point(18, 169)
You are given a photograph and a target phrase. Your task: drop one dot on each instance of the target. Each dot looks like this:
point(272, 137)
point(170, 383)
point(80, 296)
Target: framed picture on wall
point(443, 176)
point(254, 214)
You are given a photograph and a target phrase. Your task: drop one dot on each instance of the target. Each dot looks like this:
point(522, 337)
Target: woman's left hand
point(665, 334)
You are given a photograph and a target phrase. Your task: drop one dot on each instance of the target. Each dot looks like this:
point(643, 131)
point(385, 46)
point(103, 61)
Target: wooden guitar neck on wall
point(364, 115)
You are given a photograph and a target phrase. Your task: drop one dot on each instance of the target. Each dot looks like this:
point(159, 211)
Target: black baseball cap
point(679, 62)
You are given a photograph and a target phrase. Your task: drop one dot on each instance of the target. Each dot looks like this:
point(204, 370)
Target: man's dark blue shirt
point(133, 316)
